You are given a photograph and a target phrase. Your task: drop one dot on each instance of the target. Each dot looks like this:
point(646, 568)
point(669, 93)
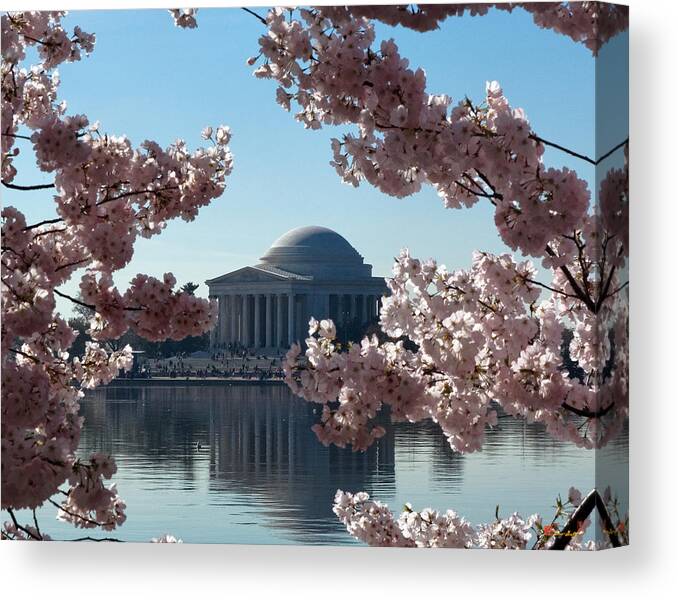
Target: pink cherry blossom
point(373, 523)
point(107, 193)
point(485, 337)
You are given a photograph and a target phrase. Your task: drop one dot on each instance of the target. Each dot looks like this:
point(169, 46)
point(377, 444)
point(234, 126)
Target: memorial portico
point(308, 272)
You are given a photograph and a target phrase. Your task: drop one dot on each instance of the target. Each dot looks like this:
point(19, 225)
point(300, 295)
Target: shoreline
point(191, 381)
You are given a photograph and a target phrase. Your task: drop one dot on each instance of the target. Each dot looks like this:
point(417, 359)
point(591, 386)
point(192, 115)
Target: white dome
point(316, 251)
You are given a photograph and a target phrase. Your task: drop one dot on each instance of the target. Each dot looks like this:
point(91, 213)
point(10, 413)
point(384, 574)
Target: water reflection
point(261, 446)
point(239, 463)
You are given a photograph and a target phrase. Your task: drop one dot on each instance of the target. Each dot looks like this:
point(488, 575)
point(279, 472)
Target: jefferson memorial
point(307, 272)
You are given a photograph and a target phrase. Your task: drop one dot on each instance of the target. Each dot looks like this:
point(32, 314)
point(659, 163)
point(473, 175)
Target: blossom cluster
point(589, 23)
point(89, 502)
point(460, 345)
point(184, 17)
point(29, 533)
point(373, 523)
point(107, 194)
point(150, 307)
point(335, 73)
point(491, 334)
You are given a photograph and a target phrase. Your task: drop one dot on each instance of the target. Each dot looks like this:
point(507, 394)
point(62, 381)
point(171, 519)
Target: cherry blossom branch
point(583, 412)
point(36, 40)
point(619, 289)
point(606, 289)
point(71, 264)
point(551, 289)
point(35, 522)
point(91, 306)
point(48, 232)
point(34, 265)
point(13, 251)
point(588, 159)
point(489, 184)
point(21, 353)
point(619, 145)
point(136, 193)
point(27, 188)
point(80, 517)
point(28, 532)
point(583, 266)
point(259, 17)
point(575, 286)
point(100, 203)
point(537, 138)
point(461, 291)
point(92, 539)
point(41, 223)
point(16, 135)
point(75, 300)
point(474, 192)
point(373, 523)
point(592, 500)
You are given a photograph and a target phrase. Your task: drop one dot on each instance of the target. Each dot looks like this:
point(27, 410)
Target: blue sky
point(150, 80)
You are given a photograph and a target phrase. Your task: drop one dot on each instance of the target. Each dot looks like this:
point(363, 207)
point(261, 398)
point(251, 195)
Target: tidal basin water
point(240, 464)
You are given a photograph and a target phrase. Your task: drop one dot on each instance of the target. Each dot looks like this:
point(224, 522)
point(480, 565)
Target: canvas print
point(341, 275)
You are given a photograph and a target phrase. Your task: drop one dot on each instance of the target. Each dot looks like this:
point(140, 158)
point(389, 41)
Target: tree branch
point(472, 192)
point(136, 193)
point(91, 306)
point(16, 135)
point(35, 522)
point(606, 288)
point(27, 188)
point(68, 512)
point(19, 527)
point(71, 264)
point(590, 414)
point(41, 223)
point(48, 232)
point(592, 500)
point(75, 300)
point(24, 354)
point(104, 201)
point(548, 287)
point(588, 159)
point(247, 10)
point(573, 283)
point(619, 289)
point(487, 181)
point(91, 539)
point(619, 145)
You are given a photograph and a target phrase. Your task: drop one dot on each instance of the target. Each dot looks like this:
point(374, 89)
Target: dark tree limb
point(27, 188)
point(575, 286)
point(91, 306)
point(75, 300)
point(589, 414)
point(592, 500)
point(41, 223)
point(619, 145)
point(259, 17)
point(92, 539)
point(588, 159)
point(68, 512)
point(16, 135)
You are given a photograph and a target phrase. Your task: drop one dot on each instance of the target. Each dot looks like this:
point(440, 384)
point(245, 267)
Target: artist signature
point(551, 531)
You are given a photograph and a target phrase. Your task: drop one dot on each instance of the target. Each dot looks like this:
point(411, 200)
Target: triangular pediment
point(247, 275)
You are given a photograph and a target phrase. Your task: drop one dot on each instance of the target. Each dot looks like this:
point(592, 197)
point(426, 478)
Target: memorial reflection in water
point(239, 463)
